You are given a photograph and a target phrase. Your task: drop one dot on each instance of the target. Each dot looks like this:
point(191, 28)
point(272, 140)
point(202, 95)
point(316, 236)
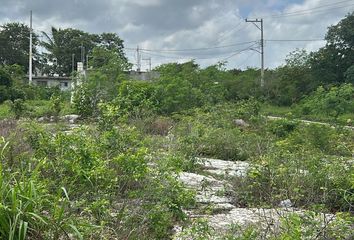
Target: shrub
point(282, 128)
point(17, 107)
point(332, 102)
point(56, 105)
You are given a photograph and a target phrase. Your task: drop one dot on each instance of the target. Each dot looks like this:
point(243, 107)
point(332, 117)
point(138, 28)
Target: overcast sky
point(215, 29)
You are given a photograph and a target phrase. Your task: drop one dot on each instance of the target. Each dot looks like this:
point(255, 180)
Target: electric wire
point(193, 49)
point(319, 9)
point(196, 57)
point(246, 60)
point(238, 52)
point(314, 8)
point(224, 35)
point(294, 40)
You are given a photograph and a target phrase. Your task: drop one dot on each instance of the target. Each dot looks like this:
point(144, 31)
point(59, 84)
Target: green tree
point(5, 78)
point(14, 44)
point(349, 75)
point(294, 79)
point(5, 83)
point(112, 42)
point(105, 74)
point(211, 81)
point(197, 86)
point(331, 62)
point(176, 94)
point(109, 62)
point(243, 85)
point(61, 44)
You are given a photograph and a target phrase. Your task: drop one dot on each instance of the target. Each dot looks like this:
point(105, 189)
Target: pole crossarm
point(260, 27)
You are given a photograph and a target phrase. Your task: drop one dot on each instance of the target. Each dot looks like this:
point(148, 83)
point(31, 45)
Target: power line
point(314, 8)
point(238, 52)
point(248, 57)
point(163, 56)
point(202, 58)
point(193, 49)
point(179, 54)
point(227, 33)
point(294, 40)
point(311, 10)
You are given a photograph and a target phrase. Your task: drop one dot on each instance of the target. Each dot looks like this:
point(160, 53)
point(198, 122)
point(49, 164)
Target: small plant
point(56, 105)
point(199, 230)
point(17, 107)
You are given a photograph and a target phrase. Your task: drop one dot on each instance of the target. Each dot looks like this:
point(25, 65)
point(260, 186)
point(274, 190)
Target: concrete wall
point(143, 76)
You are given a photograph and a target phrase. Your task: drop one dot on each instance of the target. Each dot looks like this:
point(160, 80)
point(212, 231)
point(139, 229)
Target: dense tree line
point(181, 85)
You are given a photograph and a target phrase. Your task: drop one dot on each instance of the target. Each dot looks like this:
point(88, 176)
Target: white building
point(64, 83)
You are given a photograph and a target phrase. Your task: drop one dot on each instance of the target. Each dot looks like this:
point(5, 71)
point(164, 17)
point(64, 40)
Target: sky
point(208, 31)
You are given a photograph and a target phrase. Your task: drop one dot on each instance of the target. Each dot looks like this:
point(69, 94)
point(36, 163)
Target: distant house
point(64, 83)
point(67, 84)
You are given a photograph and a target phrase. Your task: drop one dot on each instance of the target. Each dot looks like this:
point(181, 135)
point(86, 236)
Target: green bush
point(332, 102)
point(282, 128)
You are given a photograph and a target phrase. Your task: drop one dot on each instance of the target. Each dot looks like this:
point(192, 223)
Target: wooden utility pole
point(255, 21)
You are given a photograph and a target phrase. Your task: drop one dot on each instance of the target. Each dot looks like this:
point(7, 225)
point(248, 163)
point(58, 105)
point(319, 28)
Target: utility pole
point(30, 52)
point(255, 21)
point(72, 65)
point(138, 59)
point(83, 55)
point(149, 61)
point(87, 62)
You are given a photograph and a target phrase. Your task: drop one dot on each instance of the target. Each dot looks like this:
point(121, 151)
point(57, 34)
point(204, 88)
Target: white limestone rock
point(72, 118)
point(226, 168)
point(286, 203)
point(241, 123)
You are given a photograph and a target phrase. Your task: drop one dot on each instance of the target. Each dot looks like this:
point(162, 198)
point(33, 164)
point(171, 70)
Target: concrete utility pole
point(87, 63)
point(30, 52)
point(138, 59)
point(73, 85)
point(82, 54)
point(72, 65)
point(255, 21)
